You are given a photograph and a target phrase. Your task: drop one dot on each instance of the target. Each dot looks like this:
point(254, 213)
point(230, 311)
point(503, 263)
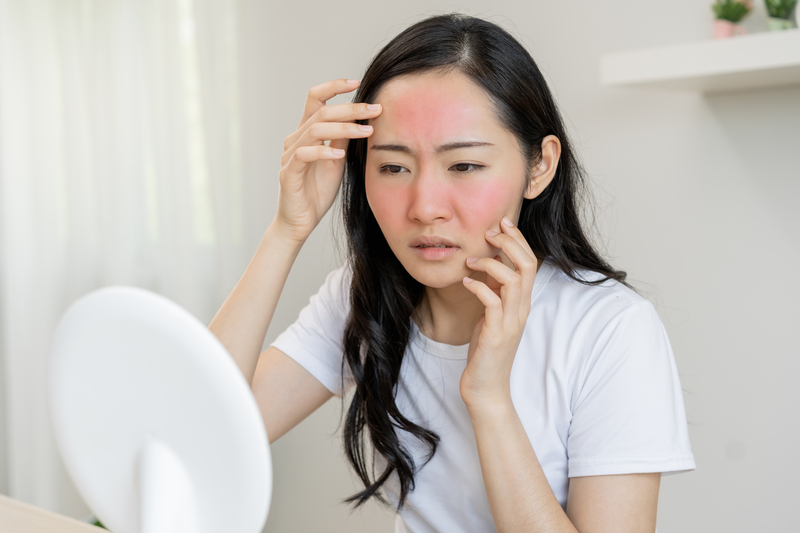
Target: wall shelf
point(758, 60)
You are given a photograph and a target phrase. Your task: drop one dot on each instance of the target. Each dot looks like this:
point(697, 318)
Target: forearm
point(243, 320)
point(519, 495)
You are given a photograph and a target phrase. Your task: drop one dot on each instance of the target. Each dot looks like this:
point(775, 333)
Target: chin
point(437, 276)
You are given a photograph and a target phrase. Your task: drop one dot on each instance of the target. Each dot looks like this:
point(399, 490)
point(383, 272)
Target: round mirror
point(155, 423)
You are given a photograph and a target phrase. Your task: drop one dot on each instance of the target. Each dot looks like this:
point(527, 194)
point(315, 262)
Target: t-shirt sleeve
point(315, 338)
point(627, 410)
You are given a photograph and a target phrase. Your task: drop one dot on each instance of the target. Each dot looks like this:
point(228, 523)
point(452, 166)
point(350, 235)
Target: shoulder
point(342, 275)
point(562, 294)
point(330, 304)
point(336, 287)
point(580, 320)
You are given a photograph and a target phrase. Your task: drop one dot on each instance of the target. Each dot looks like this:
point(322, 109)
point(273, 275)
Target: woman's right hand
point(311, 171)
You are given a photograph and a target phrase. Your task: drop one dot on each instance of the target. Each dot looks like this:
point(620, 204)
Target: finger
point(346, 112)
point(328, 131)
point(335, 113)
point(514, 246)
point(510, 229)
point(490, 281)
point(318, 95)
point(322, 131)
point(305, 155)
point(518, 251)
point(510, 282)
point(490, 300)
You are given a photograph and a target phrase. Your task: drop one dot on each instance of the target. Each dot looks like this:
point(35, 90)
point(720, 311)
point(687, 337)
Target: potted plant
point(780, 12)
point(728, 14)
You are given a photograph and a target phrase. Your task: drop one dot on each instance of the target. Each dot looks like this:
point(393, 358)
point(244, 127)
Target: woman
point(506, 377)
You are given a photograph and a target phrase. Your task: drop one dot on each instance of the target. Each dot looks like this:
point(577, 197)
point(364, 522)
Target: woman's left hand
point(507, 297)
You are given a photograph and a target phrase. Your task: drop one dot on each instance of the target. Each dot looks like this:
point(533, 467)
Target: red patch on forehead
point(428, 115)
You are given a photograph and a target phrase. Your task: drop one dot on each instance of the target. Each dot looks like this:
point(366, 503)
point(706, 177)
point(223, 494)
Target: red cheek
point(483, 203)
point(389, 204)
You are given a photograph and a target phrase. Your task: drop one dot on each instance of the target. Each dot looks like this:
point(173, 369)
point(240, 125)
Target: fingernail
point(373, 107)
point(364, 128)
point(507, 222)
point(491, 233)
point(352, 81)
point(472, 259)
point(338, 151)
point(467, 280)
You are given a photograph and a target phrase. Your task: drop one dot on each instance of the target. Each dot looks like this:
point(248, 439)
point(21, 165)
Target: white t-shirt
point(594, 382)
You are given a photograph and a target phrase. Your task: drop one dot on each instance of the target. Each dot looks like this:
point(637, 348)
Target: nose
point(430, 199)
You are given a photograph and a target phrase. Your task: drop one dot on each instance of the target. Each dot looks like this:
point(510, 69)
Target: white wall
point(3, 401)
point(696, 200)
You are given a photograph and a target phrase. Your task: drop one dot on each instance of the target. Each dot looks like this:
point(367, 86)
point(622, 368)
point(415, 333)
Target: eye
point(464, 168)
point(392, 169)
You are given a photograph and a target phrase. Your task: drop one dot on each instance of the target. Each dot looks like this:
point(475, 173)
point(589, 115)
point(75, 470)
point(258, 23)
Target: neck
point(449, 315)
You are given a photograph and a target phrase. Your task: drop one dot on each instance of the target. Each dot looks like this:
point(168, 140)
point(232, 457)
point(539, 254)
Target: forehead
point(434, 107)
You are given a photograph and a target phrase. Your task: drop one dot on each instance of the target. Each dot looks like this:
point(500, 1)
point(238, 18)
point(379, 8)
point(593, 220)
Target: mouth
point(432, 241)
point(433, 248)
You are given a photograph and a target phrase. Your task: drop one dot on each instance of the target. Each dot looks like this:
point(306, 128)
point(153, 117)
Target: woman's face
point(441, 168)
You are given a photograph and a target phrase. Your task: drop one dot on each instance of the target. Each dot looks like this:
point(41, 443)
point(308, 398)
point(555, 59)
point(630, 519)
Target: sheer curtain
point(119, 164)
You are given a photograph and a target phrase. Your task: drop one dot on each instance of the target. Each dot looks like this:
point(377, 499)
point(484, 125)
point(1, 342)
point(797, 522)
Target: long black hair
point(383, 295)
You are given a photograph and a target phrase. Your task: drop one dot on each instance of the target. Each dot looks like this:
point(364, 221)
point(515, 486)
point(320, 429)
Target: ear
point(545, 171)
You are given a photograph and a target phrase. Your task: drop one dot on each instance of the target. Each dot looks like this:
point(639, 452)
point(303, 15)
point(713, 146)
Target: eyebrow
point(439, 149)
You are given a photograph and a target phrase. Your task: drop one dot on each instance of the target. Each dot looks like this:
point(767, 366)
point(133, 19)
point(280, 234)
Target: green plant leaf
point(731, 10)
point(781, 9)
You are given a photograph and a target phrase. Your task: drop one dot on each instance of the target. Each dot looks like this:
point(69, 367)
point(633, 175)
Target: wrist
point(278, 247)
point(490, 406)
point(279, 232)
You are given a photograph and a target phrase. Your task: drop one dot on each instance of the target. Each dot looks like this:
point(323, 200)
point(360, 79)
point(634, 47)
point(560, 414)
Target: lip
point(431, 240)
point(433, 254)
